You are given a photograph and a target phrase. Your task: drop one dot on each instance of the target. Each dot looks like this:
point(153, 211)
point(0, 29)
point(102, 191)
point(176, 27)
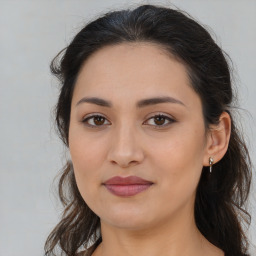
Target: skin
point(159, 220)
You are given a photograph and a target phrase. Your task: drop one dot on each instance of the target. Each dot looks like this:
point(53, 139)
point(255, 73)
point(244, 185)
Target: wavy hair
point(220, 211)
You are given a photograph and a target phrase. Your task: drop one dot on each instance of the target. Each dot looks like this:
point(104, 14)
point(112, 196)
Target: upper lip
point(118, 180)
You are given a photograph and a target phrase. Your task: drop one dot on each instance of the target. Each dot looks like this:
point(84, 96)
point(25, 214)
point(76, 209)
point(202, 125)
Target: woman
point(157, 165)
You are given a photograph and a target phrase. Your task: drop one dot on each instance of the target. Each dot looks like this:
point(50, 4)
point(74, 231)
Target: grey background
point(31, 154)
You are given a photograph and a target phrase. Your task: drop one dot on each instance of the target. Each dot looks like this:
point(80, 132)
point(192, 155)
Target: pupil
point(160, 120)
point(98, 120)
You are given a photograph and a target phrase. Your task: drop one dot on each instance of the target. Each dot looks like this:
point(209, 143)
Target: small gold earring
point(211, 163)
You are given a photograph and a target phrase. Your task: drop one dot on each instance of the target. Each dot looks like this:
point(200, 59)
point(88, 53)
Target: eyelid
point(161, 114)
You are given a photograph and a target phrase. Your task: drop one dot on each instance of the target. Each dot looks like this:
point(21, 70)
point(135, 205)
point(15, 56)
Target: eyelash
point(171, 120)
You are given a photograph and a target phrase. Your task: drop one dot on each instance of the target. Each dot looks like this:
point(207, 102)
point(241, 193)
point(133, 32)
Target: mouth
point(127, 186)
point(127, 190)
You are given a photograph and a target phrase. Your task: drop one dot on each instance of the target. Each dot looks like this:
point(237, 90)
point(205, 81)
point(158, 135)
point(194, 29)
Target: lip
point(127, 186)
point(130, 180)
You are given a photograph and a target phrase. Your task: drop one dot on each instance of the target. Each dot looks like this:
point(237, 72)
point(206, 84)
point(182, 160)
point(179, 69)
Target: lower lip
point(127, 190)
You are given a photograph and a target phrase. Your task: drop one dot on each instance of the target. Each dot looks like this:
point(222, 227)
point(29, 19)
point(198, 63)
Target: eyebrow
point(139, 104)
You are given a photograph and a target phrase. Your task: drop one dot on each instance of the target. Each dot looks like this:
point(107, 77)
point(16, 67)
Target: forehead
point(134, 71)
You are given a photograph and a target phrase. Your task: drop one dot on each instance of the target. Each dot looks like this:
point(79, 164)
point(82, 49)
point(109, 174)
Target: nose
point(125, 148)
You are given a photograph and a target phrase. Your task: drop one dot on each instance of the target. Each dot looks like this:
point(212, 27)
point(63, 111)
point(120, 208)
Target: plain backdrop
point(32, 32)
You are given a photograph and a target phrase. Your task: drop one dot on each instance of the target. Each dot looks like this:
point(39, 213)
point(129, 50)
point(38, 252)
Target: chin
point(128, 221)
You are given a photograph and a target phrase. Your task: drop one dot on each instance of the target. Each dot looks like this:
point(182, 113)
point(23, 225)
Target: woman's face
point(129, 138)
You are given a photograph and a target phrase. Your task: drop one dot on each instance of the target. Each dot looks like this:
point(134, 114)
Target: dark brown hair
point(221, 196)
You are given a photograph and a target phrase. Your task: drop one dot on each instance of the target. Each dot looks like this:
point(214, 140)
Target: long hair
point(220, 212)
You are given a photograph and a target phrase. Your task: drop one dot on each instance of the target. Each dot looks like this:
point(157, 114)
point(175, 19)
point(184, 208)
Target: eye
point(161, 121)
point(94, 121)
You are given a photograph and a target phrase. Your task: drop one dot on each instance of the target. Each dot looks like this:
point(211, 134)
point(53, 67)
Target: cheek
point(86, 155)
point(179, 162)
point(85, 149)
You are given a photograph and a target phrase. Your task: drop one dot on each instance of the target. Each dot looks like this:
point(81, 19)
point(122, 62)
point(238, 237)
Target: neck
point(170, 238)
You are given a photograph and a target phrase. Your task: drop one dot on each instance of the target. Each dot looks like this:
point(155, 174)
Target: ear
point(218, 139)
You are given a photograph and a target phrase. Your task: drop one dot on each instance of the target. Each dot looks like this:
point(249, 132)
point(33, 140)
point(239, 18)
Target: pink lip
point(130, 180)
point(127, 186)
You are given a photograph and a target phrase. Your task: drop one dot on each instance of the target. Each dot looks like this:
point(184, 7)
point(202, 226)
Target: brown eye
point(98, 120)
point(161, 121)
point(94, 120)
